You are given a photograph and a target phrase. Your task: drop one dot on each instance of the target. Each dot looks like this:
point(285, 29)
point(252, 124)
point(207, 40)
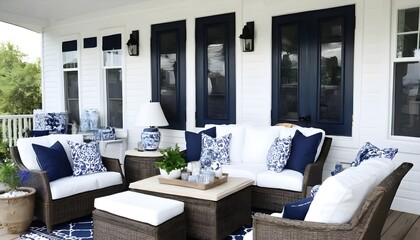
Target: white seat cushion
point(287, 179)
point(69, 186)
point(140, 207)
point(244, 170)
point(340, 196)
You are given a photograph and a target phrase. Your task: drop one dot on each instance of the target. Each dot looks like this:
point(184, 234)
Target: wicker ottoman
point(131, 215)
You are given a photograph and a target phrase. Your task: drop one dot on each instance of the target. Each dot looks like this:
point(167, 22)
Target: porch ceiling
point(38, 14)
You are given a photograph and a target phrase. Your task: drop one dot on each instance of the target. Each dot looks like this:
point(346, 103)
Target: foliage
point(173, 159)
point(10, 175)
point(20, 82)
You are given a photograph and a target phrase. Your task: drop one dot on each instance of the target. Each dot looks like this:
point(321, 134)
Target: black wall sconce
point(247, 37)
point(133, 43)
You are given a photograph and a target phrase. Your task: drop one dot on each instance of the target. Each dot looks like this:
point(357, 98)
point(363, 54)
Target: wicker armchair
point(57, 211)
point(366, 224)
point(273, 199)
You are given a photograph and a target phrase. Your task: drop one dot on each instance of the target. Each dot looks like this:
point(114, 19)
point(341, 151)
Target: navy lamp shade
point(150, 114)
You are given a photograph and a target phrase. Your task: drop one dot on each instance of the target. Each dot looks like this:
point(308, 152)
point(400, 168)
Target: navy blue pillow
point(303, 151)
point(53, 160)
point(193, 142)
point(297, 210)
point(39, 133)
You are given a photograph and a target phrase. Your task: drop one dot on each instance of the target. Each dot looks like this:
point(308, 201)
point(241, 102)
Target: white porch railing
point(13, 127)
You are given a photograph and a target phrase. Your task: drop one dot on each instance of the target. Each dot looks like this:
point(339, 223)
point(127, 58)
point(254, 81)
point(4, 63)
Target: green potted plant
point(16, 203)
point(172, 163)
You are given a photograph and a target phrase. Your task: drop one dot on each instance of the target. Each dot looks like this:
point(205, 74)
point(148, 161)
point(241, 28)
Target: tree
point(20, 82)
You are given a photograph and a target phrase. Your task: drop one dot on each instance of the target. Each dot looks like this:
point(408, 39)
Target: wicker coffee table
point(210, 214)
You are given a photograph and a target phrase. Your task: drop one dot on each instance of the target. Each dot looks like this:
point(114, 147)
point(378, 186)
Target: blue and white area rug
point(82, 229)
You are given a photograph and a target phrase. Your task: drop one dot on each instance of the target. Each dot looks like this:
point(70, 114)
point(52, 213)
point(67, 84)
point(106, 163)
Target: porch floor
point(398, 226)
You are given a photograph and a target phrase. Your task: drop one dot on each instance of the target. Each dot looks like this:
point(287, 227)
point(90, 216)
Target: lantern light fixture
point(247, 37)
point(133, 43)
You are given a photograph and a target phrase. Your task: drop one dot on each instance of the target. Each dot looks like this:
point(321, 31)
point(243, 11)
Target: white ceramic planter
point(174, 174)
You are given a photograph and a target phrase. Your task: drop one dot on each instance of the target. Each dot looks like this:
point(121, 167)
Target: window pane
point(407, 99)
point(406, 44)
point(331, 93)
point(216, 81)
point(168, 76)
point(408, 20)
point(70, 59)
point(72, 95)
point(112, 58)
point(114, 96)
point(288, 106)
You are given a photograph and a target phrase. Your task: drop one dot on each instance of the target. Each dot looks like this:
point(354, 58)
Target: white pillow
point(257, 142)
point(340, 196)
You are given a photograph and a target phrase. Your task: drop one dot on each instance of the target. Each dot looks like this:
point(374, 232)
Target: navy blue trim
point(69, 46)
point(202, 41)
point(309, 67)
point(178, 27)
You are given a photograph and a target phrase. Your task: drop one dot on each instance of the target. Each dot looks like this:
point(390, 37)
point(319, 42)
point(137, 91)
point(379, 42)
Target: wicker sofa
point(366, 224)
point(248, 150)
point(54, 206)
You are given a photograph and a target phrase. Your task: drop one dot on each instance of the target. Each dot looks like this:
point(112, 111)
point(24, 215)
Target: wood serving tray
point(196, 185)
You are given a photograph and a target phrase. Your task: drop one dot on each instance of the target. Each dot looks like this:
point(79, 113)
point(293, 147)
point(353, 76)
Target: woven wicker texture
point(110, 227)
point(57, 211)
point(214, 219)
point(137, 168)
point(366, 224)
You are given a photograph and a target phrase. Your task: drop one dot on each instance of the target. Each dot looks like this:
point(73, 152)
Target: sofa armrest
point(313, 172)
point(37, 179)
point(269, 227)
point(112, 164)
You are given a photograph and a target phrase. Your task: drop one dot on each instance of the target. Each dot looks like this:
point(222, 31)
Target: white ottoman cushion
point(140, 207)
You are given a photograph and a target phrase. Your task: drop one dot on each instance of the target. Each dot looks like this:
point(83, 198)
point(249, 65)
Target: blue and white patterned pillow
point(279, 153)
point(214, 149)
point(86, 158)
point(314, 190)
point(369, 151)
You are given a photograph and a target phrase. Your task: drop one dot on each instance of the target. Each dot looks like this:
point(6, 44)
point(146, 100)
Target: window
point(71, 85)
point(406, 62)
point(168, 71)
point(112, 62)
point(313, 69)
point(215, 70)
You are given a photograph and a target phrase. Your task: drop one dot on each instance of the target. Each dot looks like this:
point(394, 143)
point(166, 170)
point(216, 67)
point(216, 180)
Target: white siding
point(372, 73)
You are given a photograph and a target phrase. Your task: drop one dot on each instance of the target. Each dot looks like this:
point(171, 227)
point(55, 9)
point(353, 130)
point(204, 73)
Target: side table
point(140, 165)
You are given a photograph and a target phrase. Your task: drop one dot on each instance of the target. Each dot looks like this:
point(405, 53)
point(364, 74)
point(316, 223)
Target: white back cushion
point(257, 142)
point(236, 141)
point(340, 196)
point(27, 153)
point(286, 132)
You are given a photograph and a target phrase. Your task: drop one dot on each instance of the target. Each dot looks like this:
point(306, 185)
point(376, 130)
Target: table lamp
point(151, 114)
